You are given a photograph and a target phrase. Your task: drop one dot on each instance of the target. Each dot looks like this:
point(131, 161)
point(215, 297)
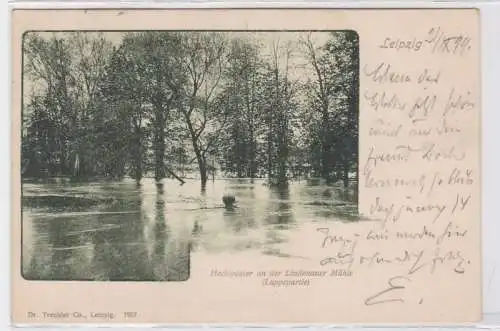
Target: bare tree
point(204, 116)
point(282, 94)
point(321, 88)
point(244, 82)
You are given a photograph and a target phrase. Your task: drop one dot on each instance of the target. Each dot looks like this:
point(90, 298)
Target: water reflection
point(125, 232)
point(158, 257)
point(280, 207)
point(59, 250)
point(241, 217)
point(120, 251)
point(66, 246)
point(170, 256)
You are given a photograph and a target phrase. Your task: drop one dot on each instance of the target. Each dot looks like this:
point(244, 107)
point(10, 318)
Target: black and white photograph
point(142, 148)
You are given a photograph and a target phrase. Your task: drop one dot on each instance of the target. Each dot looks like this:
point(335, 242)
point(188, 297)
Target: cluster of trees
point(247, 104)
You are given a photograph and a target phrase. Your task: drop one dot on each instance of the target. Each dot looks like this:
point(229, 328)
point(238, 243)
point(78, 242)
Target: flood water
point(124, 232)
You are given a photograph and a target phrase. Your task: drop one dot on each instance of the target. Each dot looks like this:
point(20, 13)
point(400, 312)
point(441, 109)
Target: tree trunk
point(282, 178)
point(200, 157)
point(159, 144)
point(325, 150)
point(239, 165)
point(282, 157)
point(202, 165)
point(175, 176)
point(346, 174)
point(203, 173)
point(137, 155)
point(269, 154)
point(63, 169)
point(253, 163)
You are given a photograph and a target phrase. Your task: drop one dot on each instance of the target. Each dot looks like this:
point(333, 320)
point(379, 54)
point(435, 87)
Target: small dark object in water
point(229, 200)
point(327, 193)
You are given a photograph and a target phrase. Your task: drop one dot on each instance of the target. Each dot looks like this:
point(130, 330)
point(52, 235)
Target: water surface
point(125, 232)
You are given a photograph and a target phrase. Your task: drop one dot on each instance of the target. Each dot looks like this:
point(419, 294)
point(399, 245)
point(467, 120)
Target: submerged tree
point(65, 72)
point(156, 55)
point(344, 49)
point(244, 82)
point(203, 112)
point(332, 92)
point(281, 94)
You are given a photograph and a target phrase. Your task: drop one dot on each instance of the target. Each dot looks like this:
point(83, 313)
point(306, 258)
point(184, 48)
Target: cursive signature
point(394, 284)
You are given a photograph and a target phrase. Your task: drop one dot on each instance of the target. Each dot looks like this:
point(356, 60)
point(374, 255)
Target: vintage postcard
point(251, 166)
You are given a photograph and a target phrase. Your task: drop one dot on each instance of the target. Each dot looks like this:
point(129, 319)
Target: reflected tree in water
point(161, 237)
point(66, 245)
point(120, 251)
point(61, 250)
point(280, 207)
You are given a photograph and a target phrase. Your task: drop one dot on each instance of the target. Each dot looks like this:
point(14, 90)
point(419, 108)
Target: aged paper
point(280, 166)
